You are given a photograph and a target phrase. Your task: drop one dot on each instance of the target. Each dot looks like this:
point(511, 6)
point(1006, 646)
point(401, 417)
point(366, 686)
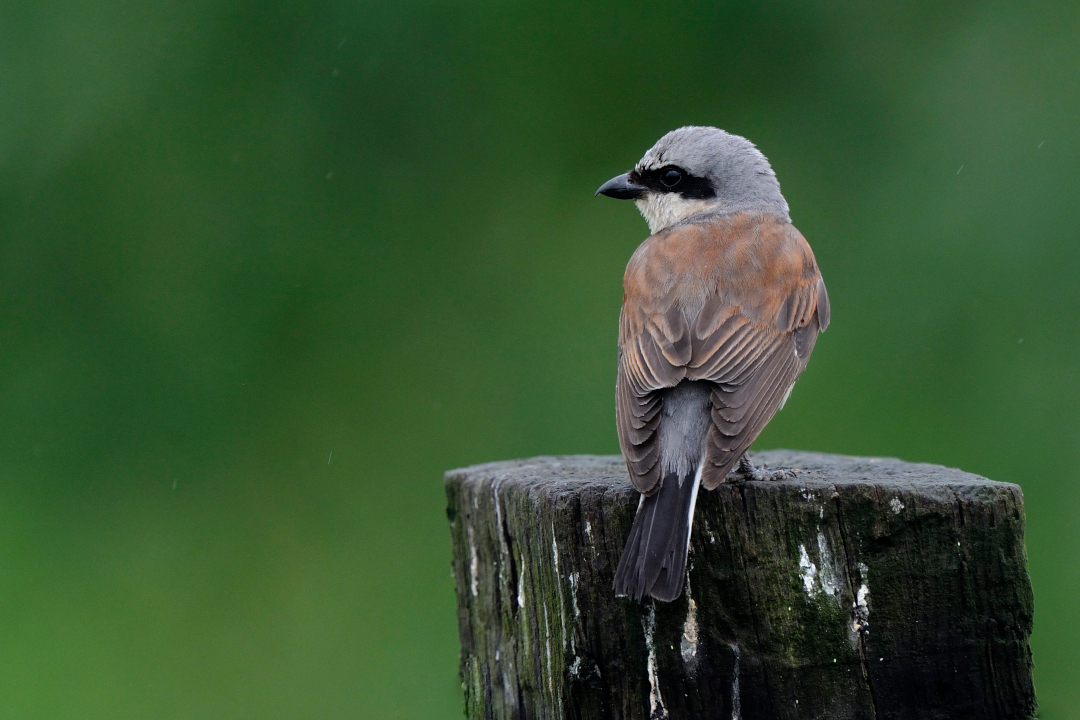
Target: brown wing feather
point(748, 328)
point(735, 429)
point(753, 373)
point(653, 352)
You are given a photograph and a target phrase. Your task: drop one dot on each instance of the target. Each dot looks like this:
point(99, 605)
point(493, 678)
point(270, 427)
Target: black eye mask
point(673, 179)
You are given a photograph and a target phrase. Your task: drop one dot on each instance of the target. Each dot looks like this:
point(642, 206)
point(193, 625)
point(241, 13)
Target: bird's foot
point(745, 472)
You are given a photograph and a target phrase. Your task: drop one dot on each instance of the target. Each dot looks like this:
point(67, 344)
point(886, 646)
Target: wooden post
point(864, 588)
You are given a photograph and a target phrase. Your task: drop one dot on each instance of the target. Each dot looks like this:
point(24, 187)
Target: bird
point(722, 306)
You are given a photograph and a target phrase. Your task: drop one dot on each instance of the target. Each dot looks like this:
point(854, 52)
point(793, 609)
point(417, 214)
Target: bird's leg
point(746, 471)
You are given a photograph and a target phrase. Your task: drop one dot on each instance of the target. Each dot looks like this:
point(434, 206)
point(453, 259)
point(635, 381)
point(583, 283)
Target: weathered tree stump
point(864, 588)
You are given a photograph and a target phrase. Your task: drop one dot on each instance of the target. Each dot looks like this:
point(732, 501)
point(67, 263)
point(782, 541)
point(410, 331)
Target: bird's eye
point(671, 178)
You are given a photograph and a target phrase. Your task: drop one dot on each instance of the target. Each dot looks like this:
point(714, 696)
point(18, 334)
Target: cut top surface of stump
point(812, 468)
point(861, 588)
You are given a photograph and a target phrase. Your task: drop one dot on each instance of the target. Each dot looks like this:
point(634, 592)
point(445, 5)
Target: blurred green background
point(269, 268)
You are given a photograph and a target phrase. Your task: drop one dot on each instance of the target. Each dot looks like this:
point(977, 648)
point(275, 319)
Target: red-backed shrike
point(722, 305)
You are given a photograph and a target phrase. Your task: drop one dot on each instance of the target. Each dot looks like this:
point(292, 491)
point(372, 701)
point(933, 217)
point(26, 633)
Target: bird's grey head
point(698, 169)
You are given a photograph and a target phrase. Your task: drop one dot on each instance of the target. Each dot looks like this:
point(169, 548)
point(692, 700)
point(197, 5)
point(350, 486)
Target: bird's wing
point(751, 345)
point(654, 349)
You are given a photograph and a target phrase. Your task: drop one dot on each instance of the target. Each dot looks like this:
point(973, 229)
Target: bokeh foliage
point(237, 237)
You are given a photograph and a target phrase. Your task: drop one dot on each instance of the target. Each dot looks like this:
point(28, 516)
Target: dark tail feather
point(653, 561)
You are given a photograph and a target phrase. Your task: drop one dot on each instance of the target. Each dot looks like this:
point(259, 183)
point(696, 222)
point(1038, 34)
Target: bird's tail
point(653, 561)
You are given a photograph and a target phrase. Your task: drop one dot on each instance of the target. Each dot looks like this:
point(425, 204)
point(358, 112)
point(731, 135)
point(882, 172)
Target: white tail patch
point(693, 504)
point(784, 400)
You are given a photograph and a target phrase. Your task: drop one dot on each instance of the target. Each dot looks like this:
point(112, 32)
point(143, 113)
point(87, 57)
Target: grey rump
point(682, 431)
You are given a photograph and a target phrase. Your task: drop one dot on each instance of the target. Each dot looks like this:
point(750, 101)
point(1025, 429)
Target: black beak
point(622, 188)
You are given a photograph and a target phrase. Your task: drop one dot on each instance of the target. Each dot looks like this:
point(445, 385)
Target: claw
point(745, 471)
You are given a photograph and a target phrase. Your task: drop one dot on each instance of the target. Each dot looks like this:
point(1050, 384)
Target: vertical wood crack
point(851, 567)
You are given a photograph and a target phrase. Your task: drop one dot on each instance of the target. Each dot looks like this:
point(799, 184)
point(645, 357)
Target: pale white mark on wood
point(860, 609)
point(573, 595)
point(896, 505)
point(688, 644)
point(547, 650)
point(574, 607)
point(809, 570)
point(474, 562)
point(736, 699)
point(558, 586)
point(523, 617)
point(825, 579)
point(505, 554)
point(656, 701)
point(828, 575)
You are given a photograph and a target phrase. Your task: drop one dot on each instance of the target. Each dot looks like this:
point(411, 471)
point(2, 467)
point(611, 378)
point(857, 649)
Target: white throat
point(662, 210)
